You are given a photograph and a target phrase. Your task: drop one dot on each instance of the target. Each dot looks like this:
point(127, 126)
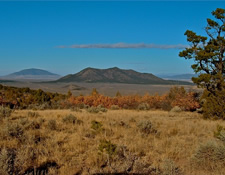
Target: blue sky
point(65, 37)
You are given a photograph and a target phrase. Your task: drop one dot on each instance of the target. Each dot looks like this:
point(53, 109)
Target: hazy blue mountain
point(115, 75)
point(184, 77)
point(32, 74)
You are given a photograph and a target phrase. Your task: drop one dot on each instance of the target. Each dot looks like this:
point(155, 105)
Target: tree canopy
point(208, 54)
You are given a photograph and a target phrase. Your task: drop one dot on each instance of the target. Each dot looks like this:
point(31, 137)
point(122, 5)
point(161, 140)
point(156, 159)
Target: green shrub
point(214, 105)
point(146, 127)
point(5, 112)
point(143, 106)
point(96, 125)
point(107, 147)
point(70, 119)
point(220, 133)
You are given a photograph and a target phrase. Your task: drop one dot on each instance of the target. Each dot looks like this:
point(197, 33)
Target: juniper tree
point(208, 54)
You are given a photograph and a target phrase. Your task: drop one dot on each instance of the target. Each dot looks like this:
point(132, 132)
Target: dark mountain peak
point(114, 75)
point(114, 68)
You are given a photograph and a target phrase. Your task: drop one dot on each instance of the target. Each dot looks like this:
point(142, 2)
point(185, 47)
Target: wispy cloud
point(125, 46)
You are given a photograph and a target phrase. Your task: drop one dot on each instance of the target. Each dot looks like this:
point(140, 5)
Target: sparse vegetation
point(70, 119)
point(210, 155)
point(119, 141)
point(5, 112)
point(146, 127)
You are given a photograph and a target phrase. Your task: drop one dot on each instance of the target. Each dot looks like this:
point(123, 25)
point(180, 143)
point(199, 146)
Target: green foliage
point(96, 125)
point(146, 127)
point(214, 105)
point(209, 58)
point(5, 112)
point(107, 147)
point(175, 92)
point(24, 97)
point(220, 133)
point(70, 119)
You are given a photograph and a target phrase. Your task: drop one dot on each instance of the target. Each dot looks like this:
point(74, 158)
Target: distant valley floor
point(108, 89)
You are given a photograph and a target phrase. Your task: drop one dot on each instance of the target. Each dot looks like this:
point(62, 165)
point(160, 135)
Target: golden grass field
point(117, 144)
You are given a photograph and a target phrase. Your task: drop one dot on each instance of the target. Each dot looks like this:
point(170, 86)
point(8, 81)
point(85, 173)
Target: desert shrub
point(107, 147)
point(70, 119)
point(220, 133)
point(95, 125)
point(5, 112)
point(33, 125)
point(132, 120)
point(214, 105)
point(15, 130)
point(210, 155)
point(7, 157)
point(143, 106)
point(23, 121)
point(146, 127)
point(33, 114)
point(176, 109)
point(97, 109)
point(170, 168)
point(26, 157)
point(114, 107)
point(93, 109)
point(76, 109)
point(52, 125)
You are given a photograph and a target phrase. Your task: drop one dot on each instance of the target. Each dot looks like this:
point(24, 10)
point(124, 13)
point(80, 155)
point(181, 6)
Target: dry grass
point(76, 147)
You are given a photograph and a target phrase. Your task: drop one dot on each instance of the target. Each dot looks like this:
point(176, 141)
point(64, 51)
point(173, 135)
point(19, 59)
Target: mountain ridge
point(116, 75)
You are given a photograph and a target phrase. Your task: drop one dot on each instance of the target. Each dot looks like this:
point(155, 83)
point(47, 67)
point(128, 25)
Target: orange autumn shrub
point(176, 97)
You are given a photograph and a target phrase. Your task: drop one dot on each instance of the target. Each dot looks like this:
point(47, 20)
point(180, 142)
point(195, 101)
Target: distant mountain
point(31, 74)
point(116, 75)
point(184, 77)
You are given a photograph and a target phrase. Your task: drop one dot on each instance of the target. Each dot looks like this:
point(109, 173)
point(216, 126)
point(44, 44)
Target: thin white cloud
point(125, 46)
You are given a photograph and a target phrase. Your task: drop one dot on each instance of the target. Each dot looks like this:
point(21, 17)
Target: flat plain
point(108, 89)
